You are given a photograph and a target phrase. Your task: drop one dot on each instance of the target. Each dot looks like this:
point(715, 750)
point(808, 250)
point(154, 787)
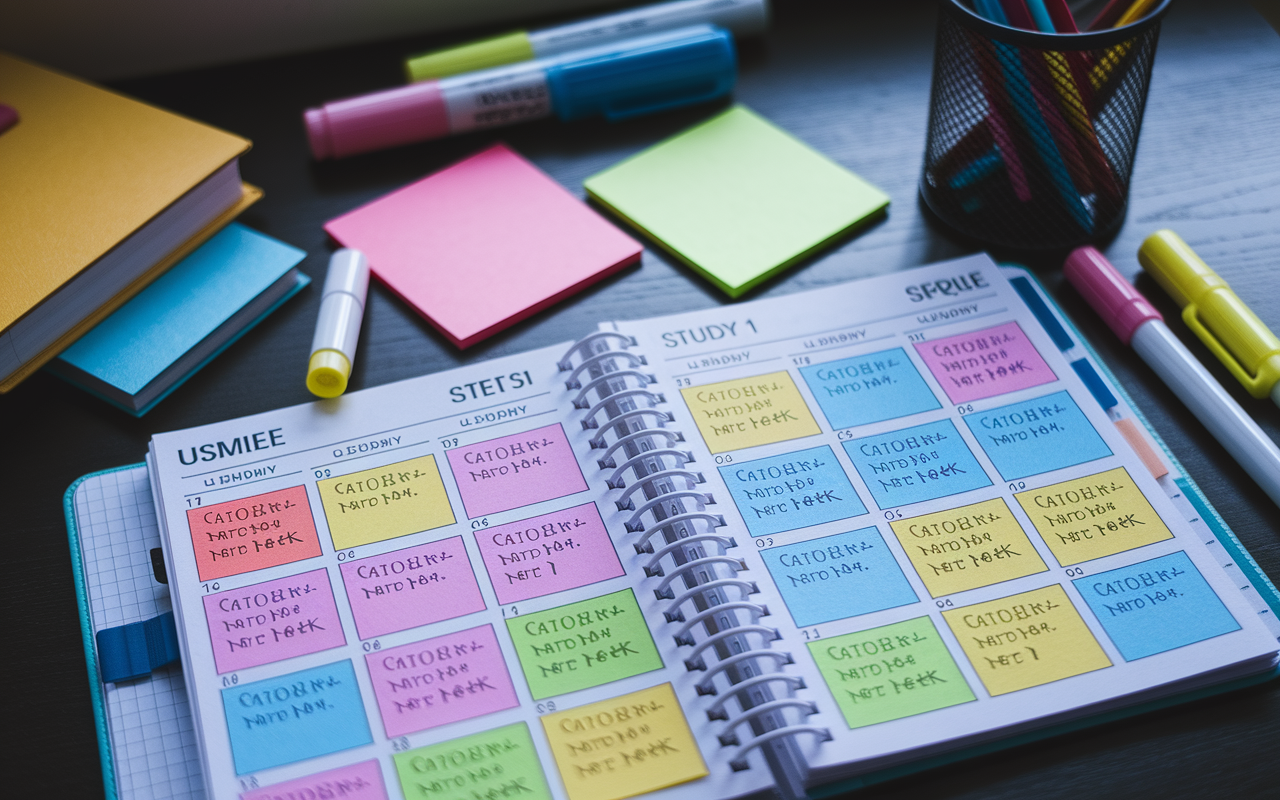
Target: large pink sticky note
point(517, 470)
point(361, 781)
point(542, 555)
point(437, 681)
point(483, 244)
point(411, 587)
point(985, 363)
point(271, 621)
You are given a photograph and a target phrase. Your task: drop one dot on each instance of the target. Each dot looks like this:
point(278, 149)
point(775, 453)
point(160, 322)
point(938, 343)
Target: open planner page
point(415, 591)
point(961, 542)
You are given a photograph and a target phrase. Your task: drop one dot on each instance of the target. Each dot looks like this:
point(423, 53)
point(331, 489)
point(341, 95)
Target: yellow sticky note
point(1026, 640)
point(748, 412)
point(967, 547)
point(623, 747)
point(1093, 517)
point(386, 502)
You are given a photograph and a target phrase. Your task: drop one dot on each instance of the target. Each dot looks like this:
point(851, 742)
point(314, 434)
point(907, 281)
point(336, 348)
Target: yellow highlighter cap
point(327, 373)
point(1217, 316)
point(508, 48)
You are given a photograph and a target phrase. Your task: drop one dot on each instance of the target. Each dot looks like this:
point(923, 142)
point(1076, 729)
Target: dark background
point(850, 79)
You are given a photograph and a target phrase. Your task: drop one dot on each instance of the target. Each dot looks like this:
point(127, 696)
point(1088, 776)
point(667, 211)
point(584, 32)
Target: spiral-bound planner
point(802, 542)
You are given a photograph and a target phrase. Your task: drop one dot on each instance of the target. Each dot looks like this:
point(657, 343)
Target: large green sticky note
point(890, 672)
point(737, 198)
point(583, 644)
point(497, 763)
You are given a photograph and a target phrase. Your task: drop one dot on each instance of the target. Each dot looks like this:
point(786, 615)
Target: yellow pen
point(1241, 341)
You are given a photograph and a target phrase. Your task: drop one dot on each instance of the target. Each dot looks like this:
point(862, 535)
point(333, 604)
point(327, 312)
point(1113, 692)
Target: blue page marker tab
point(1094, 383)
point(134, 650)
point(1042, 313)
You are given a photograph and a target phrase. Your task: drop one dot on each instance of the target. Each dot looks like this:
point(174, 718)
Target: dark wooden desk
point(854, 83)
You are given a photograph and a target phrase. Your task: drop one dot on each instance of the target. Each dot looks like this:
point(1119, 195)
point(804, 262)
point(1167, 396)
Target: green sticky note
point(737, 198)
point(583, 644)
point(496, 763)
point(890, 672)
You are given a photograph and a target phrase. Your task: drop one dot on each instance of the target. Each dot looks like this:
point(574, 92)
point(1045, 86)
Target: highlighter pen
point(740, 17)
point(333, 348)
point(1138, 324)
point(1242, 342)
point(619, 80)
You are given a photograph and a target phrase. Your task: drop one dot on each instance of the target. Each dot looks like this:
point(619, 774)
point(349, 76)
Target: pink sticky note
point(517, 470)
point(985, 363)
point(437, 681)
point(482, 244)
point(542, 555)
point(411, 587)
point(272, 621)
point(361, 781)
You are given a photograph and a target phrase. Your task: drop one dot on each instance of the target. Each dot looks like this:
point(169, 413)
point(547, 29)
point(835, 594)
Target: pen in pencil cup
point(1140, 325)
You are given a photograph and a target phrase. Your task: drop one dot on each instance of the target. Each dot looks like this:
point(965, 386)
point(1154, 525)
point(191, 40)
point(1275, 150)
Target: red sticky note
point(483, 244)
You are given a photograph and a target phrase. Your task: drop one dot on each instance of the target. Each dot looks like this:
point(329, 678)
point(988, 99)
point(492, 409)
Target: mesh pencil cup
point(1032, 135)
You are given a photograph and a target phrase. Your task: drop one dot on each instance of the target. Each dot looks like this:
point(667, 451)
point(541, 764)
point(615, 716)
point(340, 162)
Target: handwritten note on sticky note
point(793, 490)
point(493, 764)
point(967, 547)
point(1036, 436)
point(304, 714)
point(262, 531)
point(748, 412)
point(1156, 606)
point(623, 747)
point(583, 644)
point(361, 781)
point(838, 576)
point(547, 554)
point(890, 672)
point(517, 470)
point(985, 363)
point(440, 680)
point(1026, 640)
point(915, 464)
point(385, 502)
point(411, 587)
point(271, 621)
point(1093, 517)
point(869, 388)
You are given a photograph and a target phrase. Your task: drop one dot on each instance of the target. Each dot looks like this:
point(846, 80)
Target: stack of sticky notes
point(483, 244)
point(162, 336)
point(736, 198)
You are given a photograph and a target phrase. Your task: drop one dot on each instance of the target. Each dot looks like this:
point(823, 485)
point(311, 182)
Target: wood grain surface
point(850, 78)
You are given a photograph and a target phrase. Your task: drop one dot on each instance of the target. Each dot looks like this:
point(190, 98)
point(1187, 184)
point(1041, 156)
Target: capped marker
point(1229, 328)
point(333, 348)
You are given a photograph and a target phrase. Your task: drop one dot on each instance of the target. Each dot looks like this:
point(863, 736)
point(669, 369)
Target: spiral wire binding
point(693, 555)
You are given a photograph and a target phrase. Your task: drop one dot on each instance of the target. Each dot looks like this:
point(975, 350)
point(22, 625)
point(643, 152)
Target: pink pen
point(1139, 325)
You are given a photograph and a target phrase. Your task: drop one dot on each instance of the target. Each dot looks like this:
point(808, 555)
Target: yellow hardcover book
point(101, 193)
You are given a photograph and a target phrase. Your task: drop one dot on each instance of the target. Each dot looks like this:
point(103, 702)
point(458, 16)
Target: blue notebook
point(134, 358)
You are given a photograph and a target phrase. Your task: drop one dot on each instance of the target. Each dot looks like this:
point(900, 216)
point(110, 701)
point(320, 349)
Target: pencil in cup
point(1032, 135)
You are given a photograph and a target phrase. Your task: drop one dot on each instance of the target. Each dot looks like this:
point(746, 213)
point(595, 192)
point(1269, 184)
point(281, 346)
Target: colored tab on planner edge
point(792, 490)
point(583, 644)
point(592, 744)
point(985, 363)
point(254, 533)
point(748, 412)
point(385, 502)
point(890, 672)
point(498, 763)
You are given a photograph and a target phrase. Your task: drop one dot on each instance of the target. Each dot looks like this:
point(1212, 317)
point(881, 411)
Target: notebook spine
point(714, 621)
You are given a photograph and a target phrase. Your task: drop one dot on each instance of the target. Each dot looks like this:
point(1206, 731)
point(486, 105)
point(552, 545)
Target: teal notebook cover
point(147, 335)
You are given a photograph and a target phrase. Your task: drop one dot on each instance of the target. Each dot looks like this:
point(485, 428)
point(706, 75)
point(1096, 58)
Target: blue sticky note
point(1036, 436)
point(839, 576)
point(1156, 606)
point(304, 714)
point(790, 491)
point(870, 388)
point(915, 464)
